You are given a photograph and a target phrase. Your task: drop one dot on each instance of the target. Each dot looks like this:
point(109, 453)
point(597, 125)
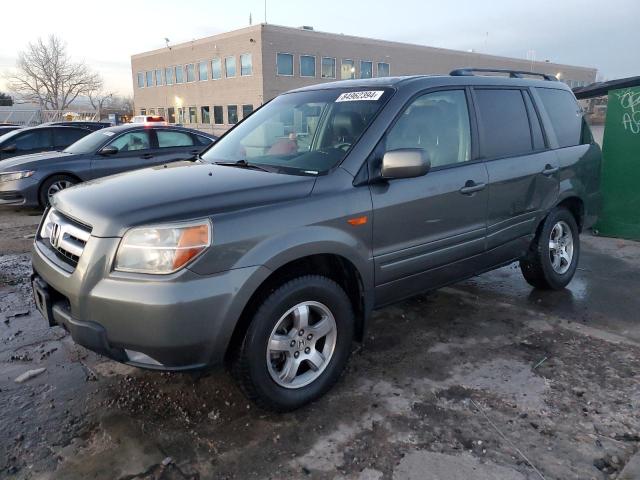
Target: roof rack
point(468, 72)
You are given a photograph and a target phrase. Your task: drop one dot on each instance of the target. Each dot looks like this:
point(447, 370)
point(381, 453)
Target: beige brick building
point(214, 81)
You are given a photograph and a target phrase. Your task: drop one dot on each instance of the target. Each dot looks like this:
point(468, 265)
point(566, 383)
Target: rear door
point(425, 228)
point(523, 171)
point(135, 151)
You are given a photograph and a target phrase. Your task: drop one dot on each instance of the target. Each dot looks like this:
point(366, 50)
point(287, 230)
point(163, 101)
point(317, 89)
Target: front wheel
point(553, 257)
point(297, 344)
point(53, 185)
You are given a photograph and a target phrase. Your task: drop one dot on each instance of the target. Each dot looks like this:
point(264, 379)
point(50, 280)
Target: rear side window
point(63, 137)
point(167, 139)
point(565, 115)
point(504, 123)
point(200, 140)
point(534, 120)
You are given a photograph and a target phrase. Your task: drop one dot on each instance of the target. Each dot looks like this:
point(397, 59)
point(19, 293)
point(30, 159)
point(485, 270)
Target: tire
point(267, 356)
point(61, 181)
point(550, 268)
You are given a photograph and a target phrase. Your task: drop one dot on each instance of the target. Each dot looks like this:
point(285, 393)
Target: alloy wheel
point(561, 247)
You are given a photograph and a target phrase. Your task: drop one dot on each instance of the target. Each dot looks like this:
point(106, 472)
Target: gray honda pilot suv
point(269, 253)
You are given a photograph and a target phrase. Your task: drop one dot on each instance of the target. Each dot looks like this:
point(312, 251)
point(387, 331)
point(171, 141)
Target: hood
point(25, 162)
point(174, 192)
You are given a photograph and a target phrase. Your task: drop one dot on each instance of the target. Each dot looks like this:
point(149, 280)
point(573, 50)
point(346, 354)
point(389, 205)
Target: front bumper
point(20, 192)
point(174, 322)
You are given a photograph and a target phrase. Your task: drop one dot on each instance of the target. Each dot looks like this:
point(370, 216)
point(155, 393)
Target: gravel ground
point(486, 379)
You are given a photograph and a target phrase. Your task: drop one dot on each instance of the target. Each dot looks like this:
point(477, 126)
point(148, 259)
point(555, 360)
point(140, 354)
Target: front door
point(134, 150)
point(426, 229)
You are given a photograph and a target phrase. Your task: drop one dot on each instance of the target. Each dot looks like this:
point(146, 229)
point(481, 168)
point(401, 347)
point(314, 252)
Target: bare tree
point(45, 74)
point(100, 100)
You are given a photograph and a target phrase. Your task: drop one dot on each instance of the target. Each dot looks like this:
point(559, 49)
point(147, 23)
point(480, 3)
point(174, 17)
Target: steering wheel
point(344, 146)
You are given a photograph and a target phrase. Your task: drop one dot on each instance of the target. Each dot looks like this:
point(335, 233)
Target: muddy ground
point(487, 379)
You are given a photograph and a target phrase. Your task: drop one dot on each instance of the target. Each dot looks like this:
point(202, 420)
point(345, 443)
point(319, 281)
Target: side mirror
point(9, 148)
point(108, 150)
point(405, 163)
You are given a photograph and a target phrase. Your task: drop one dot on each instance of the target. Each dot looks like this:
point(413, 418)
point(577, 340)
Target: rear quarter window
point(565, 115)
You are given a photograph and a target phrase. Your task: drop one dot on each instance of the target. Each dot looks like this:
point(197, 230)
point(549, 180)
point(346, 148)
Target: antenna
point(166, 40)
point(265, 11)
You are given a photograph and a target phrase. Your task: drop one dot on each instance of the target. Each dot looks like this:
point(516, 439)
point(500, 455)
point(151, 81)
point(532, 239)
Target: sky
point(599, 34)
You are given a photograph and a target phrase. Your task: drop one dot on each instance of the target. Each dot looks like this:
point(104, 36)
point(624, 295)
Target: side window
point(438, 123)
point(534, 120)
point(565, 115)
point(168, 139)
point(200, 140)
point(132, 141)
point(63, 137)
point(504, 123)
point(34, 139)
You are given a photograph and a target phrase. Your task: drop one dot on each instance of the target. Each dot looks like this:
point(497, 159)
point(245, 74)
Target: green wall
point(620, 215)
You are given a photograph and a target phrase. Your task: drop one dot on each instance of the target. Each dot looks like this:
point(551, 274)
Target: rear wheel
point(53, 185)
point(553, 258)
point(297, 344)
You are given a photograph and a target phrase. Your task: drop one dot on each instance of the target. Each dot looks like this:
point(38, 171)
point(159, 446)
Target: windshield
point(91, 143)
point(301, 133)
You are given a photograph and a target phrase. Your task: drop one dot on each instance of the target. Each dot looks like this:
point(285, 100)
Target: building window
point(140, 80)
point(204, 115)
point(171, 115)
point(284, 64)
point(216, 69)
point(307, 66)
point(161, 112)
point(232, 114)
point(383, 69)
point(150, 79)
point(246, 110)
point(230, 66)
point(328, 67)
point(193, 115)
point(348, 70)
point(366, 69)
point(246, 65)
point(218, 117)
point(179, 74)
point(158, 77)
point(191, 72)
point(168, 76)
point(143, 111)
point(152, 111)
point(203, 74)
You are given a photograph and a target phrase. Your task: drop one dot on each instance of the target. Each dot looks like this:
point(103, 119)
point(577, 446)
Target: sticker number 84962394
point(359, 96)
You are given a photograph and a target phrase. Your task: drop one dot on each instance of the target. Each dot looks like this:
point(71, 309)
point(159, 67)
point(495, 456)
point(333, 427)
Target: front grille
point(67, 238)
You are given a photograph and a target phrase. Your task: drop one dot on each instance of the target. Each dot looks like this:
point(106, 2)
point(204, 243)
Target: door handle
point(549, 170)
point(146, 156)
point(472, 187)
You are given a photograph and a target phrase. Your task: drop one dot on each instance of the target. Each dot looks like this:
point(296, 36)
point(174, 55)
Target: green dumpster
point(620, 214)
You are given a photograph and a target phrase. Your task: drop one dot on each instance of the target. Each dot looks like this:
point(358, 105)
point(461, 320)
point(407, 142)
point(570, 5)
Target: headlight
point(162, 249)
point(47, 223)
point(10, 176)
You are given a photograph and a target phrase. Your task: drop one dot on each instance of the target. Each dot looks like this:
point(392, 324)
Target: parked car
point(93, 126)
point(271, 258)
point(4, 128)
point(25, 141)
point(31, 180)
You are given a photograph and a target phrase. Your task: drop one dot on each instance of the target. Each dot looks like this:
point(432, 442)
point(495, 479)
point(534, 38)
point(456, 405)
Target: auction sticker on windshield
point(359, 96)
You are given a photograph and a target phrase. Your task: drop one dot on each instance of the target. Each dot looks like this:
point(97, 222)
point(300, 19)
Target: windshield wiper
point(243, 164)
